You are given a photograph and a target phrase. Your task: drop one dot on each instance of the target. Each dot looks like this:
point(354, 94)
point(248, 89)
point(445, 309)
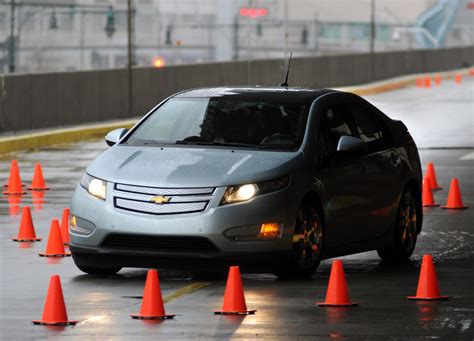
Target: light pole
point(372, 26)
point(130, 58)
point(11, 43)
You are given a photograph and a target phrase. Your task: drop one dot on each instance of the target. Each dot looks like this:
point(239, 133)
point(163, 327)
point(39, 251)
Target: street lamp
point(110, 23)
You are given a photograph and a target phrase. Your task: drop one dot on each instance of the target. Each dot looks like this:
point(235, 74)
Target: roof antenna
point(285, 83)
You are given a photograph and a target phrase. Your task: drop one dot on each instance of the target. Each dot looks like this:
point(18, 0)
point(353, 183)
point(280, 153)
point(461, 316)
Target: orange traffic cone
point(14, 186)
point(454, 196)
point(26, 232)
point(430, 173)
point(427, 194)
point(152, 303)
point(55, 247)
point(234, 299)
point(427, 82)
point(419, 82)
point(54, 312)
point(38, 183)
point(337, 294)
point(437, 80)
point(427, 283)
point(65, 226)
point(471, 71)
point(458, 78)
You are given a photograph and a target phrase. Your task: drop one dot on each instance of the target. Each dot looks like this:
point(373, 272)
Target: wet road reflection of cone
point(152, 303)
point(427, 194)
point(458, 78)
point(14, 186)
point(234, 299)
point(38, 183)
point(26, 232)
point(431, 174)
point(65, 226)
point(427, 283)
point(54, 312)
point(55, 247)
point(337, 294)
point(454, 196)
point(427, 82)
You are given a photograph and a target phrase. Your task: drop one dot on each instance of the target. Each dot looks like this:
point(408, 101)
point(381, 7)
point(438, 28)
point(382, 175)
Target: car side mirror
point(114, 136)
point(350, 143)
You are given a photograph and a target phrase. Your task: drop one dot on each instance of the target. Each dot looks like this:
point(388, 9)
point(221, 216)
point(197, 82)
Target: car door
point(381, 165)
point(341, 176)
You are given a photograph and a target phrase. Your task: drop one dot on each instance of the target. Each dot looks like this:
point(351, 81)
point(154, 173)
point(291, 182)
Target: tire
point(307, 245)
point(405, 231)
point(91, 270)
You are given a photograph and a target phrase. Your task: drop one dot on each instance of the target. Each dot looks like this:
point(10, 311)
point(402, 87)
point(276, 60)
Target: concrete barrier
point(38, 101)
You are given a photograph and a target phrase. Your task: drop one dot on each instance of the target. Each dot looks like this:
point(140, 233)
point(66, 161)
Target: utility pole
point(130, 58)
point(372, 26)
point(11, 43)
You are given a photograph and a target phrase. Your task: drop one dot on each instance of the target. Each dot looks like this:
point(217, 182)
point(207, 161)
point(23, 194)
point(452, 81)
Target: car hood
point(190, 167)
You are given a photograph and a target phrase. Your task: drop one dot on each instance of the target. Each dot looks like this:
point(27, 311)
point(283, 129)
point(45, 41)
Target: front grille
point(159, 243)
point(180, 200)
point(152, 208)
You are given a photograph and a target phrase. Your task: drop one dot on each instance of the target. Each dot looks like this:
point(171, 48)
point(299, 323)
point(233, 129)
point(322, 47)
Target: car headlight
point(95, 187)
point(246, 192)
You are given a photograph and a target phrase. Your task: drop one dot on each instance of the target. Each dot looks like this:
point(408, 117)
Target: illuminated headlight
point(246, 192)
point(95, 187)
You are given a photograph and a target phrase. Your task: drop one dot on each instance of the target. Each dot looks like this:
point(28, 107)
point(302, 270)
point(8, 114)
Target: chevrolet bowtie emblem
point(160, 199)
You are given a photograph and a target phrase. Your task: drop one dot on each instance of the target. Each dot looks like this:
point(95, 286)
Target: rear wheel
point(308, 242)
point(91, 270)
point(406, 230)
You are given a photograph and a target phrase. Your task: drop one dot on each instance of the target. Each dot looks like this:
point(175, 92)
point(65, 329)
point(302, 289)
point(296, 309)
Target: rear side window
point(370, 129)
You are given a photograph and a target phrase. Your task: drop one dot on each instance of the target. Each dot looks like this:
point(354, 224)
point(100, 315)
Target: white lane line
point(468, 156)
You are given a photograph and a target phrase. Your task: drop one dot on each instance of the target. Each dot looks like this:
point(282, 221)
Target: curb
point(35, 140)
point(68, 135)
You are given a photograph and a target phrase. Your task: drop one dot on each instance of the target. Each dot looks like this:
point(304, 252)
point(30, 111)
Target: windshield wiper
point(219, 143)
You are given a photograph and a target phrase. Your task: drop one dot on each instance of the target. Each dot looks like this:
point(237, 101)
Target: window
point(225, 120)
point(370, 129)
point(336, 124)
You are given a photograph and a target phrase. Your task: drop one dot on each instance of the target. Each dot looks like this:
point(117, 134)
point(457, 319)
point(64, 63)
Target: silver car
point(271, 179)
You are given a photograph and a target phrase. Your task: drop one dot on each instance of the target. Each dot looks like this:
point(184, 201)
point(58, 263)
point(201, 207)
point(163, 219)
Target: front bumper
point(210, 224)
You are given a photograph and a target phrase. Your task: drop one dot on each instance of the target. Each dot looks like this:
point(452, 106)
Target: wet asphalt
point(285, 309)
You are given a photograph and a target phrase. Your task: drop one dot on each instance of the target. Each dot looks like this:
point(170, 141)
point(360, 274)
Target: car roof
point(290, 94)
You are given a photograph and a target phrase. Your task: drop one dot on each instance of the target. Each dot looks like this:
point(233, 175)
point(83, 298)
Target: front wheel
point(307, 245)
point(406, 230)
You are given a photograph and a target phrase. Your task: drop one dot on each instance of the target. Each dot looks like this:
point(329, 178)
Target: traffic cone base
point(146, 317)
point(39, 189)
point(454, 208)
point(439, 298)
point(324, 304)
point(15, 239)
point(13, 193)
point(246, 312)
point(58, 323)
point(66, 254)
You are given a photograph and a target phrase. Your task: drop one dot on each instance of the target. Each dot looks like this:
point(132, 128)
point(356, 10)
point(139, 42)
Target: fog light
point(270, 231)
point(74, 228)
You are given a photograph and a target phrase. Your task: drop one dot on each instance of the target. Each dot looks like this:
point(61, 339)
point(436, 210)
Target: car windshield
point(222, 121)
